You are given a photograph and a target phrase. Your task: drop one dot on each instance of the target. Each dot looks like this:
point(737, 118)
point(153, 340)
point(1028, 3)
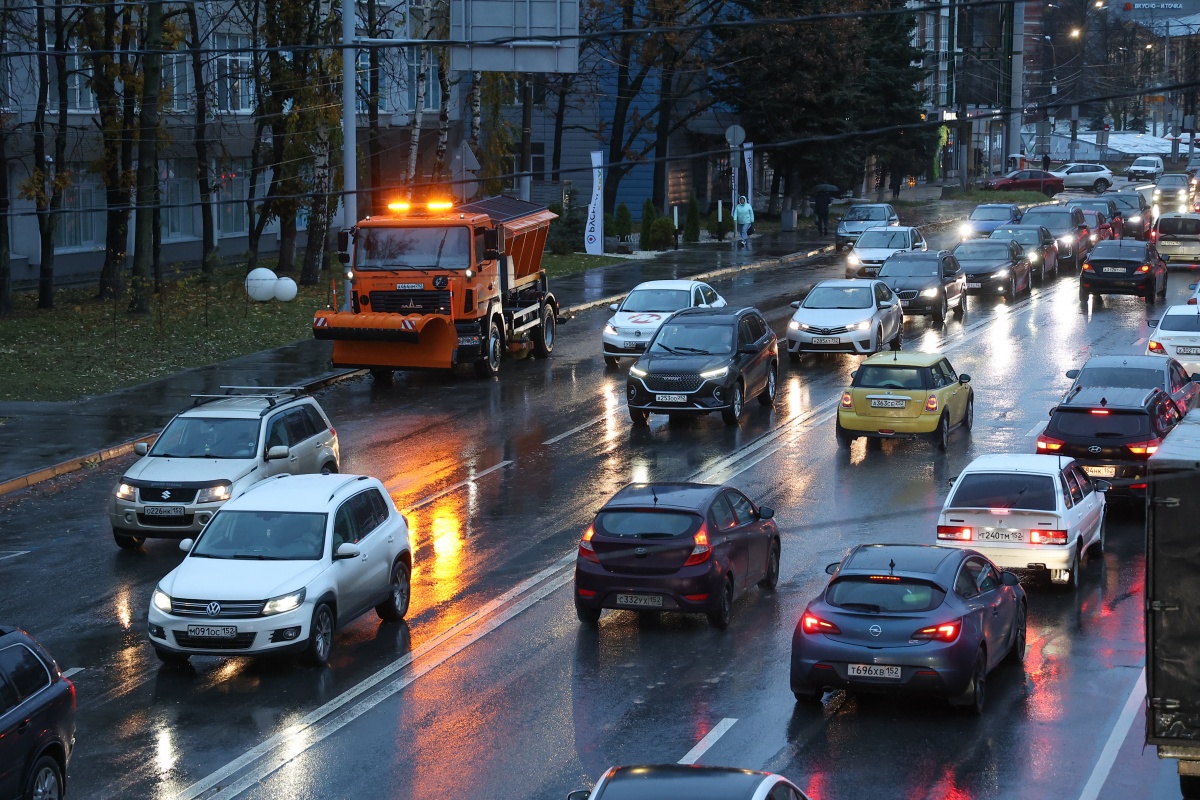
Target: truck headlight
point(161, 600)
point(214, 494)
point(285, 602)
point(126, 492)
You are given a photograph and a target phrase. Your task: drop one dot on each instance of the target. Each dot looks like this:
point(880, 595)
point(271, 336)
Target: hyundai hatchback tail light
point(1144, 449)
point(811, 623)
point(1156, 347)
point(701, 552)
point(586, 551)
point(954, 532)
point(1048, 444)
point(1047, 537)
point(946, 632)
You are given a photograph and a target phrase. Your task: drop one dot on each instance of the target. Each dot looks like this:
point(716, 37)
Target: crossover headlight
point(285, 602)
point(1135, 220)
point(1068, 240)
point(213, 494)
point(637, 372)
point(1000, 273)
point(713, 374)
point(1032, 255)
point(610, 330)
point(1157, 194)
point(795, 326)
point(853, 260)
point(161, 600)
point(929, 293)
point(966, 231)
point(126, 492)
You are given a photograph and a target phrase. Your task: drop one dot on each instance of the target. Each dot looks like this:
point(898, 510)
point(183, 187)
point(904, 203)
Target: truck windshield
point(413, 248)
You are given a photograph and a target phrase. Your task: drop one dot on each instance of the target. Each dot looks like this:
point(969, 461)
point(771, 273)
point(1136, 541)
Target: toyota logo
point(875, 630)
point(214, 609)
point(1095, 448)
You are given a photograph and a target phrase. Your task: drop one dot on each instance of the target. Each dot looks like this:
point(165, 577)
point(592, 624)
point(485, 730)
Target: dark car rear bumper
point(596, 587)
point(1125, 478)
point(930, 668)
point(1100, 285)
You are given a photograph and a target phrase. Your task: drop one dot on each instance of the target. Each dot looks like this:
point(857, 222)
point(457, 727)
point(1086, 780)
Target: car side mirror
point(613, 306)
point(186, 545)
point(795, 304)
point(1102, 486)
point(579, 794)
point(765, 513)
point(853, 373)
point(950, 481)
point(491, 240)
point(1192, 286)
point(1009, 578)
point(886, 304)
point(1152, 323)
point(277, 452)
point(344, 241)
point(832, 568)
point(1072, 374)
point(141, 448)
point(964, 378)
point(1050, 413)
point(346, 550)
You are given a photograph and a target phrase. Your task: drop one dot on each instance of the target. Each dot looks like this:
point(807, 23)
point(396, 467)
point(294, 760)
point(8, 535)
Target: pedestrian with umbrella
point(821, 206)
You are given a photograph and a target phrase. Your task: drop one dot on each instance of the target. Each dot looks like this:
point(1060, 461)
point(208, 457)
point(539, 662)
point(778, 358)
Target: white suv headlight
point(713, 374)
point(126, 492)
point(285, 602)
point(213, 494)
point(161, 600)
point(853, 260)
point(610, 330)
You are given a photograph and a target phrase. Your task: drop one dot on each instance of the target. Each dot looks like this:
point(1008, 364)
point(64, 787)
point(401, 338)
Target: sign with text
point(593, 231)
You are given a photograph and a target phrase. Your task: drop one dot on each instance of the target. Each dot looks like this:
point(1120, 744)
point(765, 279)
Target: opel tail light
point(811, 623)
point(946, 632)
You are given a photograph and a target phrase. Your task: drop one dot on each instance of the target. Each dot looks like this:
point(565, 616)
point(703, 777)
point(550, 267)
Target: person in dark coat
point(896, 182)
point(821, 212)
point(1045, 162)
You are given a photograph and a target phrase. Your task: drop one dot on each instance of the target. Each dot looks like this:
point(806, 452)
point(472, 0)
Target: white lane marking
point(297, 730)
point(424, 501)
point(1139, 342)
point(1036, 429)
point(1091, 789)
point(73, 671)
point(12, 553)
point(708, 741)
point(575, 430)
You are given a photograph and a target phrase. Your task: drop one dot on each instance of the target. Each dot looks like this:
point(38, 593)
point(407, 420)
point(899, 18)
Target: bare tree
point(142, 282)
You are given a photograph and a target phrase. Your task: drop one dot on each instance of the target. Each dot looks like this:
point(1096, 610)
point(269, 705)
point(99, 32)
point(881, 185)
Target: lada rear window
point(883, 593)
point(1179, 226)
point(879, 377)
point(647, 524)
point(207, 437)
point(1082, 422)
point(1005, 490)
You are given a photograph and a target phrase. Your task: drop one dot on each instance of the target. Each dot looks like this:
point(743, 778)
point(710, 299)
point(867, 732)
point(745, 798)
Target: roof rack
point(272, 394)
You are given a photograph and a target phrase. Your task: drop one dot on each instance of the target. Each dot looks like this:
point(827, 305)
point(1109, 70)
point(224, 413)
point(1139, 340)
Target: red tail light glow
point(885, 578)
point(811, 623)
point(946, 632)
point(1047, 537)
point(955, 532)
point(1103, 412)
point(1144, 448)
point(586, 551)
point(1048, 444)
point(1191, 300)
point(1144, 268)
point(1087, 267)
point(847, 400)
point(701, 552)
point(931, 403)
point(1156, 347)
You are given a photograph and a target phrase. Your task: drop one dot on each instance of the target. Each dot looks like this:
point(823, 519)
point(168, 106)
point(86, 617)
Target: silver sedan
point(845, 316)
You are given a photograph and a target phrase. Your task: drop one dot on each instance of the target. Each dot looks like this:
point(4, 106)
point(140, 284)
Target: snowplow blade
point(372, 340)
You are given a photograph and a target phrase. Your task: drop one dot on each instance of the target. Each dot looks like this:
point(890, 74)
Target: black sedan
point(916, 619)
point(703, 360)
point(994, 267)
point(689, 782)
point(687, 547)
point(1138, 372)
point(1041, 248)
point(1136, 214)
point(926, 283)
point(1124, 266)
point(37, 719)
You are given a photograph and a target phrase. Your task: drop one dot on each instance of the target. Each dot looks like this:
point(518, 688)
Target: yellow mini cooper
point(905, 396)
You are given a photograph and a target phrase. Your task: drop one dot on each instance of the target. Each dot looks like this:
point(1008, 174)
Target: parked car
point(987, 217)
point(876, 244)
point(637, 318)
point(1177, 334)
point(690, 782)
point(1069, 227)
point(688, 547)
point(1041, 248)
point(1136, 213)
point(1096, 177)
point(281, 567)
point(37, 719)
point(1124, 266)
point(910, 619)
point(1026, 512)
point(927, 283)
point(704, 360)
point(1176, 237)
point(1138, 372)
point(846, 316)
point(859, 218)
point(994, 266)
point(212, 451)
point(1145, 168)
point(1107, 208)
point(1026, 180)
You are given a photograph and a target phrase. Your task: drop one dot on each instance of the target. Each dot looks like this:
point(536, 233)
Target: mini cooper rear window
point(879, 377)
point(1114, 425)
point(1005, 490)
point(647, 524)
point(883, 593)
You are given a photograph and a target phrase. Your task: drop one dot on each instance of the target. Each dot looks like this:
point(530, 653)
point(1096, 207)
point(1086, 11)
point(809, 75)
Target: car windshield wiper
point(696, 350)
point(256, 557)
point(862, 606)
point(668, 349)
point(1016, 498)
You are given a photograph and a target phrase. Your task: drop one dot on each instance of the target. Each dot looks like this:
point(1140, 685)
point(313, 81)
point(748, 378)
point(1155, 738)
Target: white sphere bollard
point(260, 284)
point(285, 289)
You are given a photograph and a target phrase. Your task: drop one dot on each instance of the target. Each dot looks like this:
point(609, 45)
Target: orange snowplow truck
point(435, 285)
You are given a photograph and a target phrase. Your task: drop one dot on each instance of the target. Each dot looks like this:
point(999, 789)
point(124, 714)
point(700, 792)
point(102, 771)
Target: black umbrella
point(825, 187)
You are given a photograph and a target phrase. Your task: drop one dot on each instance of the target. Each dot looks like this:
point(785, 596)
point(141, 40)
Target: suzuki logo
point(1093, 449)
point(214, 609)
point(875, 630)
point(166, 495)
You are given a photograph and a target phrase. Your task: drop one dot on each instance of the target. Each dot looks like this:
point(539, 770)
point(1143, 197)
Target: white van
point(1145, 168)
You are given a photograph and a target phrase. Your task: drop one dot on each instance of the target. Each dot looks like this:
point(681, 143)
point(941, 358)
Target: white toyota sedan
point(845, 316)
point(1026, 512)
point(281, 567)
point(643, 311)
point(1178, 335)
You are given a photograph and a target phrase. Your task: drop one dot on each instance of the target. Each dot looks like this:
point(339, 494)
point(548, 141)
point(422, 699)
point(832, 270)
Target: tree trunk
point(414, 139)
point(254, 235)
point(443, 138)
point(560, 118)
point(376, 202)
point(476, 104)
point(773, 198)
point(5, 245)
point(106, 68)
point(287, 243)
point(147, 171)
point(623, 101)
point(662, 142)
point(208, 234)
point(318, 215)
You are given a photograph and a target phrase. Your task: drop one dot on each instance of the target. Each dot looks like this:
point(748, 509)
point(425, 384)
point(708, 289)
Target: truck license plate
point(872, 671)
point(212, 631)
point(640, 600)
point(164, 511)
point(887, 404)
point(670, 398)
point(826, 340)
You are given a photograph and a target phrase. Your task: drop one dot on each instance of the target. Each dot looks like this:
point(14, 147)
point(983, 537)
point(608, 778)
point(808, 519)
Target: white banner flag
point(593, 232)
point(748, 153)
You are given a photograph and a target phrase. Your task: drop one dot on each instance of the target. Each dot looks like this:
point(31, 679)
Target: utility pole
point(1012, 141)
point(349, 130)
point(526, 136)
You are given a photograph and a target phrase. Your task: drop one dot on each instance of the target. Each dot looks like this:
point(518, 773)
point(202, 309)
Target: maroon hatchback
point(688, 547)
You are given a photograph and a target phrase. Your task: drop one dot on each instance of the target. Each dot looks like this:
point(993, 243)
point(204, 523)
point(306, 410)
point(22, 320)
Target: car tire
point(588, 616)
point(396, 606)
point(1100, 186)
point(1083, 294)
point(771, 579)
point(732, 415)
point(1163, 291)
point(1151, 295)
point(767, 396)
point(969, 416)
point(1189, 787)
point(127, 541)
point(794, 356)
point(171, 658)
point(961, 308)
point(1098, 545)
point(807, 695)
point(383, 377)
point(877, 345)
point(941, 437)
point(942, 311)
point(611, 361)
point(844, 439)
point(1072, 584)
point(973, 699)
point(329, 469)
point(719, 618)
point(488, 366)
point(543, 335)
point(897, 342)
point(45, 780)
point(320, 637)
point(639, 417)
point(1016, 653)
point(1011, 294)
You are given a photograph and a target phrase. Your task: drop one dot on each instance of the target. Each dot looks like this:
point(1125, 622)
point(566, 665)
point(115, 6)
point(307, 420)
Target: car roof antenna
point(891, 566)
point(654, 494)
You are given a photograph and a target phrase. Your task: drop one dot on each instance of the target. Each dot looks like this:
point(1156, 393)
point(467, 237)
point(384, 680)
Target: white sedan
point(643, 311)
point(876, 245)
point(846, 316)
point(1177, 335)
point(1026, 512)
point(281, 567)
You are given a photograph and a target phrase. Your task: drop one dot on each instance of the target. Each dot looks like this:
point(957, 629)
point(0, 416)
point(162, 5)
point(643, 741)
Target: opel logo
point(875, 630)
point(641, 551)
point(1093, 449)
point(166, 495)
point(214, 609)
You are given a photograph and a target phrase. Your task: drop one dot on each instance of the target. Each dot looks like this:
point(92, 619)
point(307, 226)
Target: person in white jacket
point(743, 217)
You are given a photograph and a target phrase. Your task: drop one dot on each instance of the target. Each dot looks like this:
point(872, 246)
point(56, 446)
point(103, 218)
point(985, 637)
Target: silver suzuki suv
point(210, 452)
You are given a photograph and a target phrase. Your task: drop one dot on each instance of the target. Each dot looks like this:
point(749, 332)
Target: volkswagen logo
point(214, 609)
point(166, 495)
point(1093, 449)
point(875, 630)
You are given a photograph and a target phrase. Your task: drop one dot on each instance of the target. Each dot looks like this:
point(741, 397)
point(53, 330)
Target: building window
point(433, 87)
point(515, 86)
point(177, 81)
point(7, 101)
point(179, 192)
point(235, 74)
point(537, 161)
point(363, 72)
point(234, 183)
point(79, 95)
point(81, 223)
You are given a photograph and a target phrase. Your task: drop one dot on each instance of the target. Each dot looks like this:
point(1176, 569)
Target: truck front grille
point(411, 302)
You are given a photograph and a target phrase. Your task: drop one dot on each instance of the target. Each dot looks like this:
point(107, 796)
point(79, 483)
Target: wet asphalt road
point(492, 689)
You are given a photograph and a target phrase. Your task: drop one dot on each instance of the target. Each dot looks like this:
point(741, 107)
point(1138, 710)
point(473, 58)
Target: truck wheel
point(488, 365)
point(543, 335)
point(383, 377)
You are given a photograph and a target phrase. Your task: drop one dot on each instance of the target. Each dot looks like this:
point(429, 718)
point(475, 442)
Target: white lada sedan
point(643, 311)
point(281, 567)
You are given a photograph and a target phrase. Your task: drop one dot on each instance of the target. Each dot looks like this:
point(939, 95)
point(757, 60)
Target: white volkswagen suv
point(213, 450)
point(1026, 512)
point(281, 567)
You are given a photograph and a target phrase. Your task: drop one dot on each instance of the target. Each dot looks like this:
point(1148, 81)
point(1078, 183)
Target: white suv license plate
point(992, 535)
point(670, 398)
point(640, 600)
point(887, 404)
point(826, 340)
point(163, 511)
point(212, 631)
point(872, 671)
point(1187, 351)
point(633, 345)
point(1100, 472)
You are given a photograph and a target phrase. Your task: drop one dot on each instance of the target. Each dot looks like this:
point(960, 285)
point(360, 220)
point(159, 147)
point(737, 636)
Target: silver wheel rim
point(970, 412)
point(980, 686)
point(400, 589)
point(771, 384)
point(45, 786)
point(1021, 633)
point(737, 401)
point(548, 329)
point(945, 307)
point(323, 635)
point(494, 350)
